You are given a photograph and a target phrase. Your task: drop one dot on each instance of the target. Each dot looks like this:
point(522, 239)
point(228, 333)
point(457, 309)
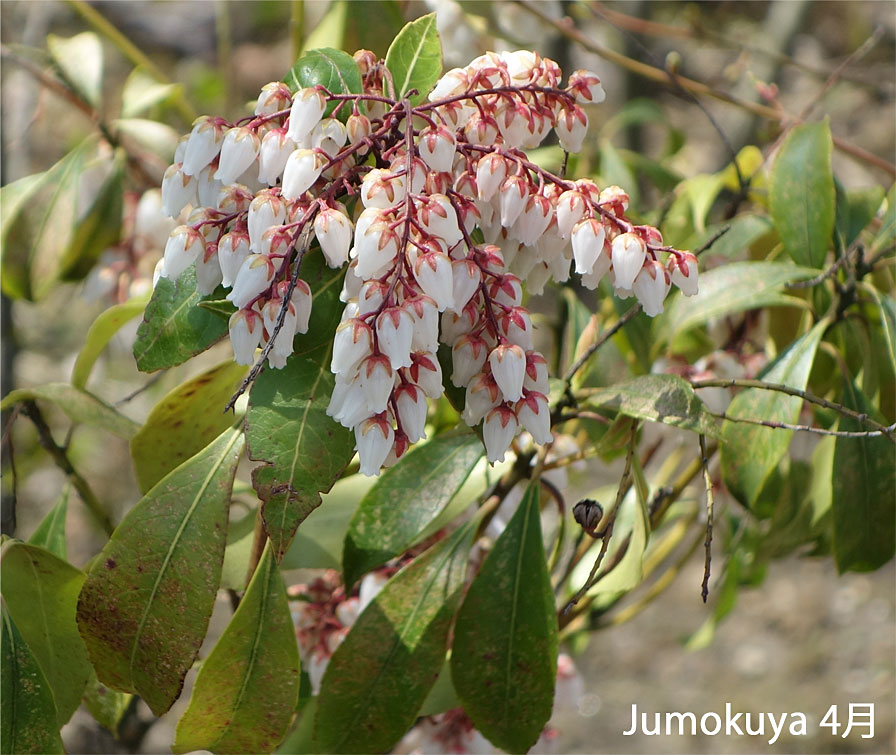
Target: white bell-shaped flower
point(411, 404)
point(254, 277)
point(233, 248)
point(348, 403)
point(451, 83)
point(498, 431)
point(425, 316)
point(352, 343)
point(534, 415)
point(308, 106)
point(508, 364)
point(534, 220)
point(178, 190)
point(536, 378)
point(586, 87)
point(208, 271)
point(426, 372)
point(302, 302)
point(572, 125)
point(651, 286)
point(482, 396)
point(683, 268)
point(587, 244)
point(333, 230)
point(491, 171)
point(203, 145)
point(628, 255)
point(302, 169)
point(468, 355)
point(436, 278)
point(374, 438)
point(513, 197)
point(185, 245)
point(591, 280)
point(381, 188)
point(245, 335)
point(238, 152)
point(273, 98)
point(270, 314)
point(266, 210)
point(276, 147)
point(570, 210)
point(438, 217)
point(377, 378)
point(436, 145)
point(376, 245)
point(465, 279)
point(394, 334)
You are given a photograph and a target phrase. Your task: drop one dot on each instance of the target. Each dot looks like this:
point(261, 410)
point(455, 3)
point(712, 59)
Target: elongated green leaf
point(504, 660)
point(886, 235)
point(80, 58)
point(801, 193)
point(160, 570)
point(100, 333)
point(27, 712)
point(300, 740)
point(174, 328)
point(657, 398)
point(334, 70)
point(50, 533)
point(142, 91)
point(864, 521)
point(41, 593)
point(730, 289)
point(287, 426)
point(37, 234)
point(405, 499)
point(184, 422)
point(743, 231)
point(887, 308)
point(247, 688)
point(80, 406)
point(380, 675)
point(854, 210)
point(106, 705)
point(750, 452)
point(415, 58)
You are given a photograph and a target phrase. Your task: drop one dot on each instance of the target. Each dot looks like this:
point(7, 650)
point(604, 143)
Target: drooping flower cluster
point(441, 218)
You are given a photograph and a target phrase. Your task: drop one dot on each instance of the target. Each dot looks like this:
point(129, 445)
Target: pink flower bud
point(245, 335)
point(508, 364)
point(499, 429)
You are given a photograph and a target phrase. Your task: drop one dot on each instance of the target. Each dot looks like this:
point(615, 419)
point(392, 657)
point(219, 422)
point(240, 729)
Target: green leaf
point(44, 222)
point(238, 552)
point(80, 406)
point(657, 398)
point(864, 521)
point(41, 593)
point(441, 696)
point(221, 307)
point(729, 289)
point(106, 705)
point(415, 58)
point(303, 450)
point(142, 91)
point(100, 227)
point(371, 26)
point(887, 233)
point(334, 70)
point(855, 210)
point(101, 330)
point(80, 59)
point(380, 675)
point(887, 307)
point(329, 32)
point(161, 569)
point(300, 740)
point(158, 138)
point(247, 688)
point(801, 193)
point(50, 533)
point(743, 231)
point(185, 421)
point(174, 328)
point(504, 660)
point(28, 715)
point(405, 499)
point(751, 452)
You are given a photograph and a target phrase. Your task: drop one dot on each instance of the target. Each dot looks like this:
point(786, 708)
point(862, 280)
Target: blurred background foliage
point(701, 97)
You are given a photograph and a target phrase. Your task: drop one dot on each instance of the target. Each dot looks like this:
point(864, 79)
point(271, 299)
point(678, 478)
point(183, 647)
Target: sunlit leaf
point(414, 58)
point(303, 450)
point(330, 68)
point(80, 406)
point(658, 398)
point(174, 328)
point(185, 421)
point(380, 675)
point(50, 533)
point(504, 658)
point(405, 499)
point(41, 593)
point(159, 138)
point(101, 330)
point(247, 688)
point(142, 91)
point(329, 32)
point(751, 452)
point(864, 521)
point(80, 59)
point(27, 711)
point(801, 193)
point(160, 570)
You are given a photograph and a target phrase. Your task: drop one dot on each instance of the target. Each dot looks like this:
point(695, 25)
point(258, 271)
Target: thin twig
point(812, 399)
point(45, 437)
point(146, 386)
point(707, 543)
point(886, 432)
point(567, 28)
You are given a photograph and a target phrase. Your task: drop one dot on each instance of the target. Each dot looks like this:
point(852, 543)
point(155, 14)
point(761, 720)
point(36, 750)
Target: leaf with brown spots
point(184, 422)
point(144, 609)
point(287, 427)
point(247, 688)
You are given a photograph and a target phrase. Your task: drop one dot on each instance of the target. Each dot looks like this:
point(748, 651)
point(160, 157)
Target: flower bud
point(586, 87)
point(683, 268)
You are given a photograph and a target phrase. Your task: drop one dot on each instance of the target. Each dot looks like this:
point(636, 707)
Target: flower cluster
point(441, 219)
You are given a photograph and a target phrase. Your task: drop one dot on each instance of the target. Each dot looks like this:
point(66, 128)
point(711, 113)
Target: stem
point(297, 27)
point(60, 457)
point(886, 432)
point(707, 544)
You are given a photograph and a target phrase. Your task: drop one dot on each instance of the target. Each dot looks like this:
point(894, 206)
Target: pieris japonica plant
point(438, 407)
